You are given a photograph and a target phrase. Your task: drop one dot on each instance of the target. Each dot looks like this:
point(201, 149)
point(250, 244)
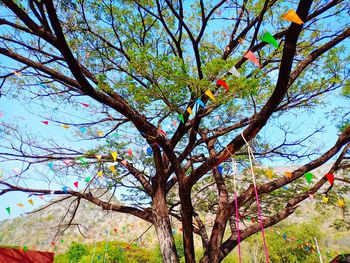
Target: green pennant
point(8, 209)
point(268, 38)
point(181, 118)
point(308, 177)
point(88, 179)
point(25, 248)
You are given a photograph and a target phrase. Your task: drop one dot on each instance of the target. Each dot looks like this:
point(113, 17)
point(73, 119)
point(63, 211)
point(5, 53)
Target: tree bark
point(163, 228)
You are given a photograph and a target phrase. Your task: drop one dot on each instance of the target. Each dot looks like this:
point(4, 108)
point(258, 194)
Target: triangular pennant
point(222, 83)
point(308, 177)
point(65, 126)
point(210, 94)
point(130, 152)
point(1, 114)
point(149, 151)
point(76, 184)
point(250, 56)
point(269, 174)
point(220, 169)
point(325, 199)
point(181, 118)
point(45, 122)
point(42, 197)
point(88, 179)
point(189, 110)
point(114, 156)
point(292, 16)
point(234, 72)
point(67, 162)
point(17, 73)
point(163, 133)
point(20, 205)
point(174, 123)
point(64, 188)
point(82, 129)
point(42, 85)
point(100, 173)
point(112, 168)
point(25, 248)
point(330, 178)
point(84, 104)
point(288, 174)
point(98, 157)
point(200, 103)
point(30, 201)
point(99, 133)
point(341, 203)
point(8, 209)
point(124, 162)
point(311, 196)
point(268, 38)
point(50, 165)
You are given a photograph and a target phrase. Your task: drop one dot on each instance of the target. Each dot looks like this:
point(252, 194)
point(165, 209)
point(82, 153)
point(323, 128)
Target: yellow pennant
point(288, 174)
point(100, 173)
point(65, 126)
point(20, 205)
point(210, 94)
point(114, 155)
point(99, 133)
point(189, 110)
point(30, 201)
point(292, 16)
point(98, 157)
point(269, 174)
point(112, 168)
point(341, 203)
point(325, 199)
point(17, 73)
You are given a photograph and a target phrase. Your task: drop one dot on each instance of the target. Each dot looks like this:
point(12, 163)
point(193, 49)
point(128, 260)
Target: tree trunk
point(187, 224)
point(163, 228)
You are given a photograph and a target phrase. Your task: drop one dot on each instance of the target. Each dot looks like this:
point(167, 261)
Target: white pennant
point(234, 72)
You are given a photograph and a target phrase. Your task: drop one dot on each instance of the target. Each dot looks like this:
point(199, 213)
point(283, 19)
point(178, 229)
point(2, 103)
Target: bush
point(76, 252)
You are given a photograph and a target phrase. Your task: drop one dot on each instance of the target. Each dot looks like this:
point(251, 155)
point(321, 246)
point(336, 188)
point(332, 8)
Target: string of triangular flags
point(291, 16)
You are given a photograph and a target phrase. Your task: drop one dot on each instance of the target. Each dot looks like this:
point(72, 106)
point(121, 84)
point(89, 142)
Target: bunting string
point(234, 169)
point(251, 157)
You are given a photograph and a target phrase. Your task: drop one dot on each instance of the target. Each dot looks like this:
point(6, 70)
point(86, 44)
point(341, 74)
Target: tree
point(144, 65)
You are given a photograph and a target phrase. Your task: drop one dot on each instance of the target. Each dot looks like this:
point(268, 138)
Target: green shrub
point(76, 252)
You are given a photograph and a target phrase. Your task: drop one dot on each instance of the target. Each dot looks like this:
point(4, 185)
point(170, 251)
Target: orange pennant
point(292, 16)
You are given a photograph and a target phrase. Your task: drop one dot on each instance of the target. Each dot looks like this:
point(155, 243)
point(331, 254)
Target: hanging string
point(93, 252)
point(108, 231)
point(251, 157)
point(234, 168)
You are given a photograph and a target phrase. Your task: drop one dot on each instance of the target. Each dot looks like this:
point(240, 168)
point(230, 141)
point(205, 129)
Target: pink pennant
point(330, 178)
point(67, 162)
point(45, 122)
point(220, 82)
point(84, 104)
point(174, 123)
point(76, 184)
point(124, 162)
point(1, 114)
point(42, 197)
point(250, 56)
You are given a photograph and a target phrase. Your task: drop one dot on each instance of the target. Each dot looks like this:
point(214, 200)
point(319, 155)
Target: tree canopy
point(163, 98)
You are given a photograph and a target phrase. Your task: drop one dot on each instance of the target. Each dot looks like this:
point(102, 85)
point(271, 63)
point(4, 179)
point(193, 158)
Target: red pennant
point(84, 104)
point(163, 132)
point(330, 178)
point(130, 152)
point(220, 82)
point(115, 230)
point(76, 184)
point(52, 243)
point(45, 122)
